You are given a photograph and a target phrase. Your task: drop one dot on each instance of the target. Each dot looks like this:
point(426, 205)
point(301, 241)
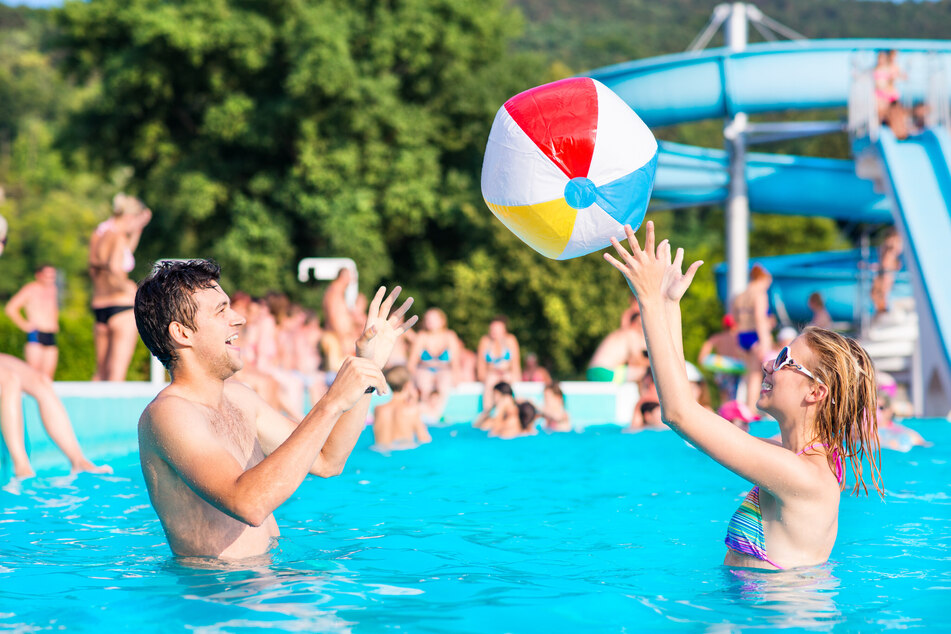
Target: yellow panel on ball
point(546, 227)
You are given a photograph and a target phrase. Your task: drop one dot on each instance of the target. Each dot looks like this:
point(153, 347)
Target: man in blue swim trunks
point(217, 459)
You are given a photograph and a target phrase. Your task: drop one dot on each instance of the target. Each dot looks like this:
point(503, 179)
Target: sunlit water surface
point(597, 531)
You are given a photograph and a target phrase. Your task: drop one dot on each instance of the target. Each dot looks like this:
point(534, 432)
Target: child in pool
point(821, 391)
point(399, 422)
point(553, 410)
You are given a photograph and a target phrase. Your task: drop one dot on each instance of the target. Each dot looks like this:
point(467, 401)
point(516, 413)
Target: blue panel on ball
point(626, 199)
point(580, 192)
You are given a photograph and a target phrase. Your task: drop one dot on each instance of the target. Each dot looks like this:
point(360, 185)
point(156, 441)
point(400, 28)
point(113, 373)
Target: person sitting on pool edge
point(217, 460)
point(820, 389)
point(398, 423)
point(17, 378)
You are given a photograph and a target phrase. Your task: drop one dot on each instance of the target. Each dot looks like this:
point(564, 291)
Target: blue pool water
point(593, 532)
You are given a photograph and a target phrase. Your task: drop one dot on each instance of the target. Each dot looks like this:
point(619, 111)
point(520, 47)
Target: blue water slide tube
point(918, 173)
point(779, 184)
point(768, 77)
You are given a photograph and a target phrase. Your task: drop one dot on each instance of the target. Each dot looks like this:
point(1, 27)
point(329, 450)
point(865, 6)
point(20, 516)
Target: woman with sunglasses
point(821, 390)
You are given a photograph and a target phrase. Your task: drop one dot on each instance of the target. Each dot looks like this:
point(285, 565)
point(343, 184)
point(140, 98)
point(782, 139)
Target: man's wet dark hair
point(504, 388)
point(167, 295)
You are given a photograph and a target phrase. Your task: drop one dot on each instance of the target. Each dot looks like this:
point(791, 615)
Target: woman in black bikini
point(113, 292)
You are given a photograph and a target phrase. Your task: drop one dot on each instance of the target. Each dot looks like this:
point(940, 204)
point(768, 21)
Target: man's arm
point(274, 429)
point(250, 496)
point(15, 306)
point(374, 347)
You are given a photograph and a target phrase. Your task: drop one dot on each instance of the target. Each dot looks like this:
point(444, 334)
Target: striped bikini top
point(745, 533)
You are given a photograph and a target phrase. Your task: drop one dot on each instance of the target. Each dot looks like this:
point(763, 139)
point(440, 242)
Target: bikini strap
point(839, 468)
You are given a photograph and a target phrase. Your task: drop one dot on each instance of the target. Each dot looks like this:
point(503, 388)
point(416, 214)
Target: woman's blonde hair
point(846, 421)
point(123, 204)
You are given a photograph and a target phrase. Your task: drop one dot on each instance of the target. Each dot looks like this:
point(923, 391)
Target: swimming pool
point(596, 532)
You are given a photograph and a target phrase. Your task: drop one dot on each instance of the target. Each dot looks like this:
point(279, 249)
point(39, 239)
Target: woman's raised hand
point(675, 282)
point(650, 272)
point(641, 268)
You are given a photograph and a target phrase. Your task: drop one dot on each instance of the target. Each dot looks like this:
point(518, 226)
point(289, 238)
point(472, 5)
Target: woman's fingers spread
point(632, 239)
point(649, 239)
point(621, 251)
point(613, 262)
point(693, 270)
point(679, 258)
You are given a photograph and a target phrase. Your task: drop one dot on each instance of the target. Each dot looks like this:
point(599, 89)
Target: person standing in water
point(217, 460)
point(820, 389)
point(39, 300)
point(111, 260)
point(750, 310)
point(398, 423)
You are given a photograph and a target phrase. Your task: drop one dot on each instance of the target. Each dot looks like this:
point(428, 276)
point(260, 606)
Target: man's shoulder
point(168, 406)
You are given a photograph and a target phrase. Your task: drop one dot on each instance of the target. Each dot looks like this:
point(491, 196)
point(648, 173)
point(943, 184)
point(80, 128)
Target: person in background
point(893, 435)
point(503, 414)
point(553, 409)
point(527, 415)
point(750, 310)
point(889, 263)
point(721, 354)
point(39, 300)
point(265, 385)
point(338, 317)
point(738, 414)
point(622, 355)
point(647, 391)
point(533, 372)
point(111, 259)
point(18, 378)
point(499, 359)
point(699, 386)
point(820, 316)
point(398, 423)
point(651, 416)
point(3, 227)
point(890, 110)
point(434, 362)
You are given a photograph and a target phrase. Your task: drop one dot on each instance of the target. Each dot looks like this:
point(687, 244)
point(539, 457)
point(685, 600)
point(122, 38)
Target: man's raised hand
point(353, 380)
point(383, 329)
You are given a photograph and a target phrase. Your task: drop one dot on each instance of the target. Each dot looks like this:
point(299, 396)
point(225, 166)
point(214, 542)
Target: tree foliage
point(261, 132)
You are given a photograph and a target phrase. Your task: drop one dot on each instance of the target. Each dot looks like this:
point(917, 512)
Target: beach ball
point(567, 165)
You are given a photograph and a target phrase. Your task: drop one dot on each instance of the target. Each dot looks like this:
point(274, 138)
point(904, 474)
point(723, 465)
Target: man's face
point(46, 275)
point(216, 332)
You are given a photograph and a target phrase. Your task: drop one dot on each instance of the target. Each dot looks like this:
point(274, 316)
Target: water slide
point(806, 75)
point(918, 178)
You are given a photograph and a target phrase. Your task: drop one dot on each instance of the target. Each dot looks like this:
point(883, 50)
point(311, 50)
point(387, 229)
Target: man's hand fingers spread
point(374, 309)
point(409, 324)
point(388, 304)
point(398, 314)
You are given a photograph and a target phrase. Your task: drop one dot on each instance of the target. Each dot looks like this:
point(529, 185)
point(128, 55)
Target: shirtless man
point(337, 315)
point(750, 310)
point(622, 356)
point(217, 459)
point(399, 423)
point(39, 299)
